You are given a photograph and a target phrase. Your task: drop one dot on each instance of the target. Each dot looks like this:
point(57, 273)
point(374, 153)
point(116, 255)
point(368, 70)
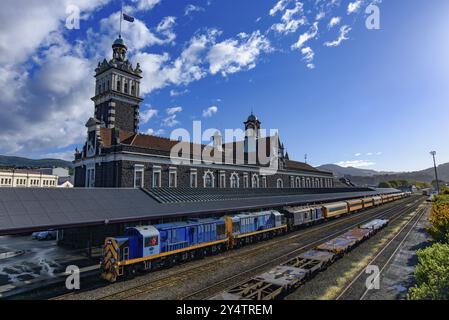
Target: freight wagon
point(288, 276)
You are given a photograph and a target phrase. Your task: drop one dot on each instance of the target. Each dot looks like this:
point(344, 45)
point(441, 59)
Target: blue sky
point(375, 99)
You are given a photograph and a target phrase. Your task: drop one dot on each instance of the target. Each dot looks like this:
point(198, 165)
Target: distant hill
point(363, 177)
point(347, 171)
point(19, 162)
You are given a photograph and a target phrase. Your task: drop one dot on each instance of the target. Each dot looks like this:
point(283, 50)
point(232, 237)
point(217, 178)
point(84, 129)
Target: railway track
point(357, 288)
point(213, 263)
point(233, 281)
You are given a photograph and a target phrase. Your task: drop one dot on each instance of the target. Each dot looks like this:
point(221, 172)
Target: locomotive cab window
point(151, 241)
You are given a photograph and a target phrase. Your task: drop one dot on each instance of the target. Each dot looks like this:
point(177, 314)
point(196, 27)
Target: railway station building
point(116, 155)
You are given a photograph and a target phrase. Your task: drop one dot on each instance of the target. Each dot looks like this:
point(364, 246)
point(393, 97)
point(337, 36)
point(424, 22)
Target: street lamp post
point(433, 153)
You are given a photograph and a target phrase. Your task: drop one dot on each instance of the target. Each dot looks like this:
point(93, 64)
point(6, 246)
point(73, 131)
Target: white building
point(60, 172)
point(27, 179)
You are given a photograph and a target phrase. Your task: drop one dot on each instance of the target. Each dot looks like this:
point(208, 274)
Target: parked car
point(34, 235)
point(47, 235)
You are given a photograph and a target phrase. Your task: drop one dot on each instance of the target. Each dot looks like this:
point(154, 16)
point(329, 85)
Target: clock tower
point(117, 91)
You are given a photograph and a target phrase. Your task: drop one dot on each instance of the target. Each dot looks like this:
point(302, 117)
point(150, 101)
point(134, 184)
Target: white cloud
point(379, 153)
point(192, 8)
point(234, 55)
point(137, 35)
point(165, 27)
point(344, 30)
point(63, 155)
point(160, 71)
point(153, 132)
point(334, 22)
point(173, 110)
point(209, 112)
point(147, 115)
point(303, 38)
point(308, 56)
point(175, 93)
point(145, 5)
point(320, 15)
point(26, 24)
point(355, 163)
point(354, 7)
point(279, 7)
point(369, 154)
point(292, 19)
point(170, 121)
point(358, 154)
point(42, 108)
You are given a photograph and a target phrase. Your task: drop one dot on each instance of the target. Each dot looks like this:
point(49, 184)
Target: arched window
point(280, 183)
point(209, 180)
point(264, 182)
point(234, 179)
point(255, 181)
point(119, 86)
point(133, 90)
point(126, 87)
point(298, 182)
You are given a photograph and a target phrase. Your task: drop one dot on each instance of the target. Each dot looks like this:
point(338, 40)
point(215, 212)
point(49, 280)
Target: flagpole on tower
point(121, 18)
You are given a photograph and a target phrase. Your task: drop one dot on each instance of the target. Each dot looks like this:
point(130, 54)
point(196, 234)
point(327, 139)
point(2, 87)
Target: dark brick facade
point(120, 174)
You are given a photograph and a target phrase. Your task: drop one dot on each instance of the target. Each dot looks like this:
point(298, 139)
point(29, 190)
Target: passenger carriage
point(335, 209)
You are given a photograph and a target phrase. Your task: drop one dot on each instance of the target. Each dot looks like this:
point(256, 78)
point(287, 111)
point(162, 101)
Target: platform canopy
point(32, 209)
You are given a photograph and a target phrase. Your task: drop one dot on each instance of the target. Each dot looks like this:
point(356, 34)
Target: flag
point(128, 18)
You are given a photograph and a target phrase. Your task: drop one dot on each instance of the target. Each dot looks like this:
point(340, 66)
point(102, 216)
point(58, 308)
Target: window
point(172, 178)
point(292, 182)
point(119, 85)
point(151, 241)
point(208, 180)
point(298, 182)
point(90, 178)
point(280, 183)
point(222, 180)
point(234, 180)
point(138, 176)
point(193, 179)
point(126, 87)
point(255, 181)
point(245, 181)
point(264, 182)
point(157, 178)
point(133, 90)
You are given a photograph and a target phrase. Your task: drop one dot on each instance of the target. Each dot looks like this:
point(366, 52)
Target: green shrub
point(432, 274)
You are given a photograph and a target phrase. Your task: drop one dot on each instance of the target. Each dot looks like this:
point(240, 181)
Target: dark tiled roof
point(164, 144)
point(295, 165)
point(30, 209)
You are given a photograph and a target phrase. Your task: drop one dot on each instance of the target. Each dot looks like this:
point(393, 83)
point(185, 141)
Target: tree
point(432, 274)
point(439, 219)
point(385, 184)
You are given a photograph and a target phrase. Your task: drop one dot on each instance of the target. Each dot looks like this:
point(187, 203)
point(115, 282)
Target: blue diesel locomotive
point(148, 247)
